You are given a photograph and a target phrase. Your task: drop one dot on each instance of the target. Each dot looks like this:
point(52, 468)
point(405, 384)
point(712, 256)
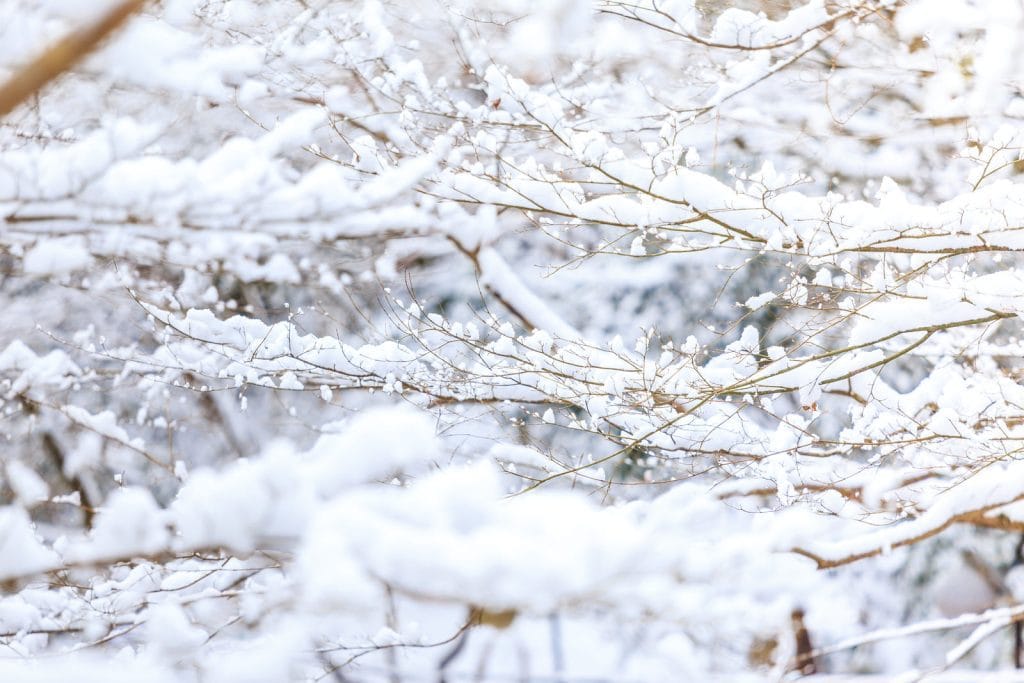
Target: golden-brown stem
point(62, 55)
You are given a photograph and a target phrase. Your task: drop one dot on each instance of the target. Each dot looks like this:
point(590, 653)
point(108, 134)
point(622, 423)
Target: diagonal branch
point(62, 55)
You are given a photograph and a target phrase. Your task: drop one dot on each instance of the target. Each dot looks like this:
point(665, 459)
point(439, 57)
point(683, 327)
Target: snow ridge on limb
point(997, 487)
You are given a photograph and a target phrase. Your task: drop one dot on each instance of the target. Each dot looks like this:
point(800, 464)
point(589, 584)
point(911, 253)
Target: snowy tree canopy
point(532, 340)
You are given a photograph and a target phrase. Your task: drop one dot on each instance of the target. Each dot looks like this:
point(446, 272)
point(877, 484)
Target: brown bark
point(804, 660)
point(62, 55)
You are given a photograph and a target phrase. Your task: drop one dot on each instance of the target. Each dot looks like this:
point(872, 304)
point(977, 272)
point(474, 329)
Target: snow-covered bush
point(525, 339)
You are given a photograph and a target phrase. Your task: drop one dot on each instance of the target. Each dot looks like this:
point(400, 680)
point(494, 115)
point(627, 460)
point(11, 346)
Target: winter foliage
point(517, 340)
